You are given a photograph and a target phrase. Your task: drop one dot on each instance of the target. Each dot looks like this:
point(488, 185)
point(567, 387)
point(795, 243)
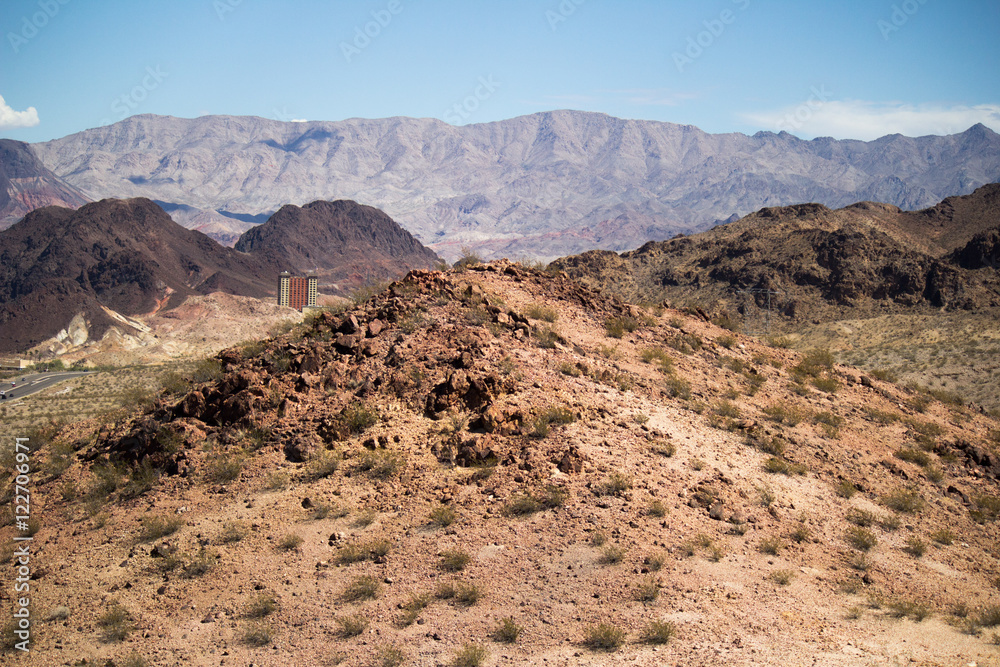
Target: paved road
point(26, 385)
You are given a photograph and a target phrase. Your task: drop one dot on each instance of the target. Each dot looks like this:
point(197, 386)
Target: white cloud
point(11, 119)
point(857, 119)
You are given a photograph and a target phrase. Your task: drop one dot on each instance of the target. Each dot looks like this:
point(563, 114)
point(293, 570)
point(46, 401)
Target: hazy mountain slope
point(124, 255)
point(344, 243)
point(25, 184)
point(544, 185)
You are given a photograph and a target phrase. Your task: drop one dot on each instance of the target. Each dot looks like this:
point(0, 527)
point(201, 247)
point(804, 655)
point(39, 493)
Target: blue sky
point(849, 69)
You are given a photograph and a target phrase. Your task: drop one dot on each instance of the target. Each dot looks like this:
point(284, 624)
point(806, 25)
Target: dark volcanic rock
point(343, 242)
point(126, 255)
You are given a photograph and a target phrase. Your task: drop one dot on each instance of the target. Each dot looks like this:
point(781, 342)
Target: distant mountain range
point(25, 184)
point(543, 185)
point(128, 257)
point(860, 260)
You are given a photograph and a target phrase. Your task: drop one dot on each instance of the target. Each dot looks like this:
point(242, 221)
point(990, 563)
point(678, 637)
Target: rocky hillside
point(865, 259)
point(502, 465)
point(544, 185)
point(109, 258)
point(345, 243)
point(25, 184)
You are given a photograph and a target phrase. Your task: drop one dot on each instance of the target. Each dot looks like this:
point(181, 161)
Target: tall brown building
point(296, 291)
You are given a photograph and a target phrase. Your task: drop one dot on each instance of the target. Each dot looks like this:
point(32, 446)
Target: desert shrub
point(538, 311)
point(884, 374)
point(566, 368)
point(454, 560)
point(860, 538)
point(290, 542)
point(616, 327)
point(658, 632)
point(770, 545)
point(882, 416)
point(462, 593)
point(657, 509)
point(826, 384)
point(726, 341)
point(915, 546)
point(943, 536)
point(412, 608)
point(903, 500)
point(648, 590)
point(604, 637)
point(521, 505)
point(612, 555)
point(381, 464)
point(352, 626)
point(257, 634)
point(361, 588)
point(443, 516)
point(546, 337)
point(204, 561)
point(781, 577)
point(507, 631)
point(597, 539)
point(920, 457)
point(845, 489)
point(783, 414)
point(814, 363)
point(987, 506)
point(389, 656)
point(115, 623)
point(549, 416)
point(726, 409)
point(917, 611)
point(260, 606)
point(470, 655)
point(677, 387)
point(801, 533)
point(224, 468)
point(359, 417)
point(860, 517)
point(615, 484)
point(323, 464)
point(156, 526)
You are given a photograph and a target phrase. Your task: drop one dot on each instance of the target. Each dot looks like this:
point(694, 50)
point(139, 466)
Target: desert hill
point(114, 256)
point(25, 184)
point(345, 243)
point(503, 461)
point(863, 259)
point(543, 185)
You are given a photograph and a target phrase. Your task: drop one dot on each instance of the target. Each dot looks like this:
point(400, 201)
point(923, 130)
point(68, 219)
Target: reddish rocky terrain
point(499, 443)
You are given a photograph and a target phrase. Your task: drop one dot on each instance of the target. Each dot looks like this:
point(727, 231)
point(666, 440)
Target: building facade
point(296, 291)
